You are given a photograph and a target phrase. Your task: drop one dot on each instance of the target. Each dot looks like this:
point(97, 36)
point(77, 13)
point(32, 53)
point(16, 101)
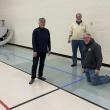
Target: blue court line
point(73, 82)
point(51, 67)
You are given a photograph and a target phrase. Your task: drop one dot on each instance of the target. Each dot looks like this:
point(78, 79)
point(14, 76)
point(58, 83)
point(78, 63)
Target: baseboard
point(19, 45)
point(54, 53)
point(62, 55)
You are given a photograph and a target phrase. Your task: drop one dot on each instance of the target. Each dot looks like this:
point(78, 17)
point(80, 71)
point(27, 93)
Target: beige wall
point(22, 16)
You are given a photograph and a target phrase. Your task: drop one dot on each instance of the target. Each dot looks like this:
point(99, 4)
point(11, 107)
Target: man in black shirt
point(41, 45)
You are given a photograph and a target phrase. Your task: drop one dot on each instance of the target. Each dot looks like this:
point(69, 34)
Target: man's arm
point(83, 60)
point(98, 56)
point(34, 44)
point(49, 43)
point(70, 34)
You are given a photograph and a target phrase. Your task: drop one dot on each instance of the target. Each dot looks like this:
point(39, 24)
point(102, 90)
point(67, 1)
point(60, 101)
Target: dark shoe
point(73, 65)
point(31, 81)
point(108, 77)
point(42, 78)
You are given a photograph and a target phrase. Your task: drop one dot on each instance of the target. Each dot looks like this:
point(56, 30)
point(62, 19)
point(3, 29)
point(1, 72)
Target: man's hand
point(69, 41)
point(34, 54)
point(97, 71)
point(82, 70)
point(49, 52)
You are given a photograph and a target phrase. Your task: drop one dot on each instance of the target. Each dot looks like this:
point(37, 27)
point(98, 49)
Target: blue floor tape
point(73, 82)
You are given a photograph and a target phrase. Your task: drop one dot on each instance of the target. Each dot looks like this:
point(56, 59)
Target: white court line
point(14, 87)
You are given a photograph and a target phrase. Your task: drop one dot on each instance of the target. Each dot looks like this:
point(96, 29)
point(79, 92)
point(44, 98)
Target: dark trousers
point(75, 45)
point(41, 57)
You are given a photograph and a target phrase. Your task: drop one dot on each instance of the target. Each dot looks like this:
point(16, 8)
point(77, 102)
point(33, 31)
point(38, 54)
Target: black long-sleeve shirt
point(41, 40)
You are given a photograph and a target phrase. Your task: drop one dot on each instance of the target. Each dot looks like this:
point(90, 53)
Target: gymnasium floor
point(65, 89)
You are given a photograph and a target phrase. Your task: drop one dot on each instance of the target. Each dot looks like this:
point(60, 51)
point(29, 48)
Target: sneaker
point(42, 78)
point(73, 65)
point(31, 81)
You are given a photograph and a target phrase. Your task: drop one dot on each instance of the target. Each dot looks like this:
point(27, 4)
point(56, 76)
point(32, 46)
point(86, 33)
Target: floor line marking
point(73, 82)
point(4, 105)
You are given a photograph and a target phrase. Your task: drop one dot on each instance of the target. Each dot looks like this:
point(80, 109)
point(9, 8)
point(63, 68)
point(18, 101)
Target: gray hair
point(88, 34)
point(42, 19)
point(79, 14)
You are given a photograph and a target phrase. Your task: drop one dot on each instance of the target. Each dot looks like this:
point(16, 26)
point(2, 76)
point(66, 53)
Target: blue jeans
point(75, 45)
point(95, 79)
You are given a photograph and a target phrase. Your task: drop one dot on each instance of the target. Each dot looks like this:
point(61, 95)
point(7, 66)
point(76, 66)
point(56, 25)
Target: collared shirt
point(77, 30)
